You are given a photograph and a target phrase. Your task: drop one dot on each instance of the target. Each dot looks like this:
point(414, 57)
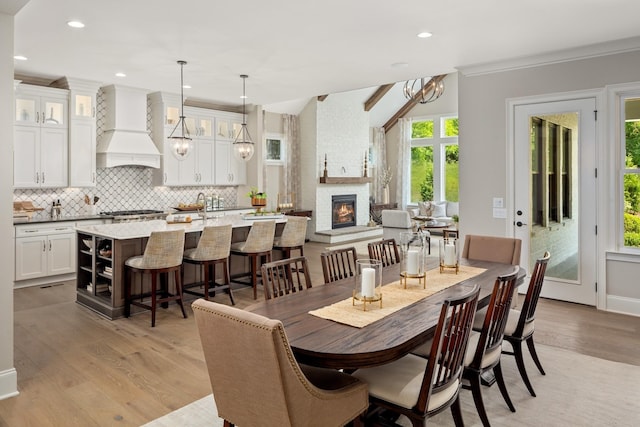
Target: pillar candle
point(412, 261)
point(449, 254)
point(368, 281)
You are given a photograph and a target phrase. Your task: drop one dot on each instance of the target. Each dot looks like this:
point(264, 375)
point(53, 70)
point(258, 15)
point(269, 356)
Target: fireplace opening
point(343, 211)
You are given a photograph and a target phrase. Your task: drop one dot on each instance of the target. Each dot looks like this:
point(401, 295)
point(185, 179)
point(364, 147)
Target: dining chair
point(293, 236)
point(338, 264)
point(520, 324)
point(419, 387)
point(285, 276)
point(385, 250)
point(492, 248)
point(258, 245)
point(213, 249)
point(162, 255)
point(485, 346)
point(256, 379)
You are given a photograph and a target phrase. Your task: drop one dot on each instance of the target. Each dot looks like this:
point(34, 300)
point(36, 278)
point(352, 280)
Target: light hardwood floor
point(76, 368)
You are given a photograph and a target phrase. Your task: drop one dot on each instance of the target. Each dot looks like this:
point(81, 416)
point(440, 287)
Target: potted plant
point(258, 198)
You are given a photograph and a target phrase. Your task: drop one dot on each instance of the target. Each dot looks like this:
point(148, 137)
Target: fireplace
point(343, 211)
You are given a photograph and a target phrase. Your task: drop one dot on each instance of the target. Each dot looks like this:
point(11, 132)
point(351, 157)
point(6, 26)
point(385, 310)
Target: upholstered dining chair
point(338, 264)
point(419, 387)
point(256, 380)
point(492, 248)
point(385, 250)
point(213, 249)
point(520, 325)
point(293, 236)
point(162, 255)
point(258, 245)
point(285, 276)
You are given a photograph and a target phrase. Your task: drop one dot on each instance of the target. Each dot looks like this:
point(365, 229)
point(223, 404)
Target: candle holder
point(449, 254)
point(368, 282)
point(413, 263)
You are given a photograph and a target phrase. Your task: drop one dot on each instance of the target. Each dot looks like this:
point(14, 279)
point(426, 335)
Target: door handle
point(520, 223)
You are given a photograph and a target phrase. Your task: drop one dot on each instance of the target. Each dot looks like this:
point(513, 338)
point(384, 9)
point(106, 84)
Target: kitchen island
point(103, 249)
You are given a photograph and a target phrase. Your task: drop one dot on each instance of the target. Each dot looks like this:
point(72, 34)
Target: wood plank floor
point(76, 368)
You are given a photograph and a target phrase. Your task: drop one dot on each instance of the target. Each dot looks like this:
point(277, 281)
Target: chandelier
point(181, 142)
point(424, 92)
point(243, 146)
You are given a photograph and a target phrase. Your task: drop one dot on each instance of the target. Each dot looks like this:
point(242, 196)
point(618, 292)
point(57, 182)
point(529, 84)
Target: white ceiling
point(293, 50)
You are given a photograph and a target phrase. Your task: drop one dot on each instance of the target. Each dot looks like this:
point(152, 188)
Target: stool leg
point(179, 292)
point(254, 274)
point(128, 277)
point(227, 280)
point(205, 267)
point(154, 286)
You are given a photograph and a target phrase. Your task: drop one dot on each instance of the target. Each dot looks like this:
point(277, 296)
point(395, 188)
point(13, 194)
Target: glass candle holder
point(449, 254)
point(414, 257)
point(368, 282)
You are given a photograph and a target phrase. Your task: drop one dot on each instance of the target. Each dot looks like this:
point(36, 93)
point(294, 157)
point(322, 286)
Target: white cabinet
point(228, 126)
point(228, 169)
point(40, 153)
point(82, 131)
point(44, 250)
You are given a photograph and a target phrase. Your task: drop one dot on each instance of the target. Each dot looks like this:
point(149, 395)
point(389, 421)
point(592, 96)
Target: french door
point(555, 194)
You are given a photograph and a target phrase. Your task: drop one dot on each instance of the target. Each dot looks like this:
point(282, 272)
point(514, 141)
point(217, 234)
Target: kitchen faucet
point(200, 201)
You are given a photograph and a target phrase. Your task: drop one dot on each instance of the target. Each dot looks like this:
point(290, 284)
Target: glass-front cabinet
point(35, 110)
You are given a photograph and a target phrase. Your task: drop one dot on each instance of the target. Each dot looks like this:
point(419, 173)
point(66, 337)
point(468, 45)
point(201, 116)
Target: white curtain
point(380, 162)
point(403, 183)
point(291, 180)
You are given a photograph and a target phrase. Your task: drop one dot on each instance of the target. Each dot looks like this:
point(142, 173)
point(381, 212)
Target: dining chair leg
point(497, 370)
point(476, 392)
point(534, 354)
point(517, 352)
point(456, 412)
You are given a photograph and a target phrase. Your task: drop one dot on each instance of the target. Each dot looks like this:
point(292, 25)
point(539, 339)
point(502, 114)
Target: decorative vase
point(258, 203)
point(385, 195)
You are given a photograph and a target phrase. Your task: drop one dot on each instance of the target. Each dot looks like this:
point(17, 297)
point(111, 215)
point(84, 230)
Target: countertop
point(48, 219)
point(134, 230)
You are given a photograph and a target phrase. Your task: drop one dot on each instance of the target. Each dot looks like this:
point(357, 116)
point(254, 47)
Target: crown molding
point(556, 57)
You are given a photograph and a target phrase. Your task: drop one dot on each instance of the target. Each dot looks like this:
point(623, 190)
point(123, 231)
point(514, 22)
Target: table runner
point(394, 297)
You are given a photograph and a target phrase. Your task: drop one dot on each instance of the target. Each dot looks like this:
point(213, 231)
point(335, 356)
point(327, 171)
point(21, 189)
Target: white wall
point(483, 130)
point(8, 374)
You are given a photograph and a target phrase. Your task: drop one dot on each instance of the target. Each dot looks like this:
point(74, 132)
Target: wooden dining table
point(325, 343)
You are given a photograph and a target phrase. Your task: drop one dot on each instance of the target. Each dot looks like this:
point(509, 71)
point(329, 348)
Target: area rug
point(578, 390)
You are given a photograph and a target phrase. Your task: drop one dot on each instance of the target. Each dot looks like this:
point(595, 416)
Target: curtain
point(291, 180)
point(380, 162)
point(403, 181)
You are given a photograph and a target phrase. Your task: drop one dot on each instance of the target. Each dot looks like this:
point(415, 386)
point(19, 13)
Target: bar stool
point(213, 248)
point(163, 254)
point(259, 244)
point(293, 236)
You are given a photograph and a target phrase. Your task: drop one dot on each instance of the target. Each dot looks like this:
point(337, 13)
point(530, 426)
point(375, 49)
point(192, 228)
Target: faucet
point(200, 200)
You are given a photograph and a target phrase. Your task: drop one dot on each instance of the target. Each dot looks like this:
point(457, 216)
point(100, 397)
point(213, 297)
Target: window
point(274, 149)
point(631, 173)
point(434, 159)
point(551, 175)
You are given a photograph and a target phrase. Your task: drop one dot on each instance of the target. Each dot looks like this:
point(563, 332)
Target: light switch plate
point(499, 213)
point(498, 202)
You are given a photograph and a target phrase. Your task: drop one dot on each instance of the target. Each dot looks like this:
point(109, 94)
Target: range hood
point(125, 140)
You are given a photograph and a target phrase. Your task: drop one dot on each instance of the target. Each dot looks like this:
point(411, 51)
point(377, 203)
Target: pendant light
point(181, 142)
point(424, 91)
point(243, 146)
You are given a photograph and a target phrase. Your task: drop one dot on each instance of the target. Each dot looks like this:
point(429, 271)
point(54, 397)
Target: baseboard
point(624, 305)
point(8, 383)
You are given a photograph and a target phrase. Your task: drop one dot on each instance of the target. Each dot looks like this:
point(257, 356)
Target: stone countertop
point(135, 230)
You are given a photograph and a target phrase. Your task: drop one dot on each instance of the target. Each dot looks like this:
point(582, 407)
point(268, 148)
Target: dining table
point(327, 343)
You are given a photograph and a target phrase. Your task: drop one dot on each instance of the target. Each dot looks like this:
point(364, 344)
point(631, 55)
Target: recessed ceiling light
point(424, 35)
point(20, 58)
point(399, 65)
point(75, 24)
point(121, 75)
point(186, 86)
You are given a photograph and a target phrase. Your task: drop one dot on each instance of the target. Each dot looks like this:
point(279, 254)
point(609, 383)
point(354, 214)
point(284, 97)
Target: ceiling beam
point(377, 96)
point(410, 104)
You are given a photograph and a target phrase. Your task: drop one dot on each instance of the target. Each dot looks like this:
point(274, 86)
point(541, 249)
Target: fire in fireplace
point(343, 211)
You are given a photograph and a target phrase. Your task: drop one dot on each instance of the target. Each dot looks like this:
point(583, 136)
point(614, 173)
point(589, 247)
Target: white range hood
point(125, 140)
